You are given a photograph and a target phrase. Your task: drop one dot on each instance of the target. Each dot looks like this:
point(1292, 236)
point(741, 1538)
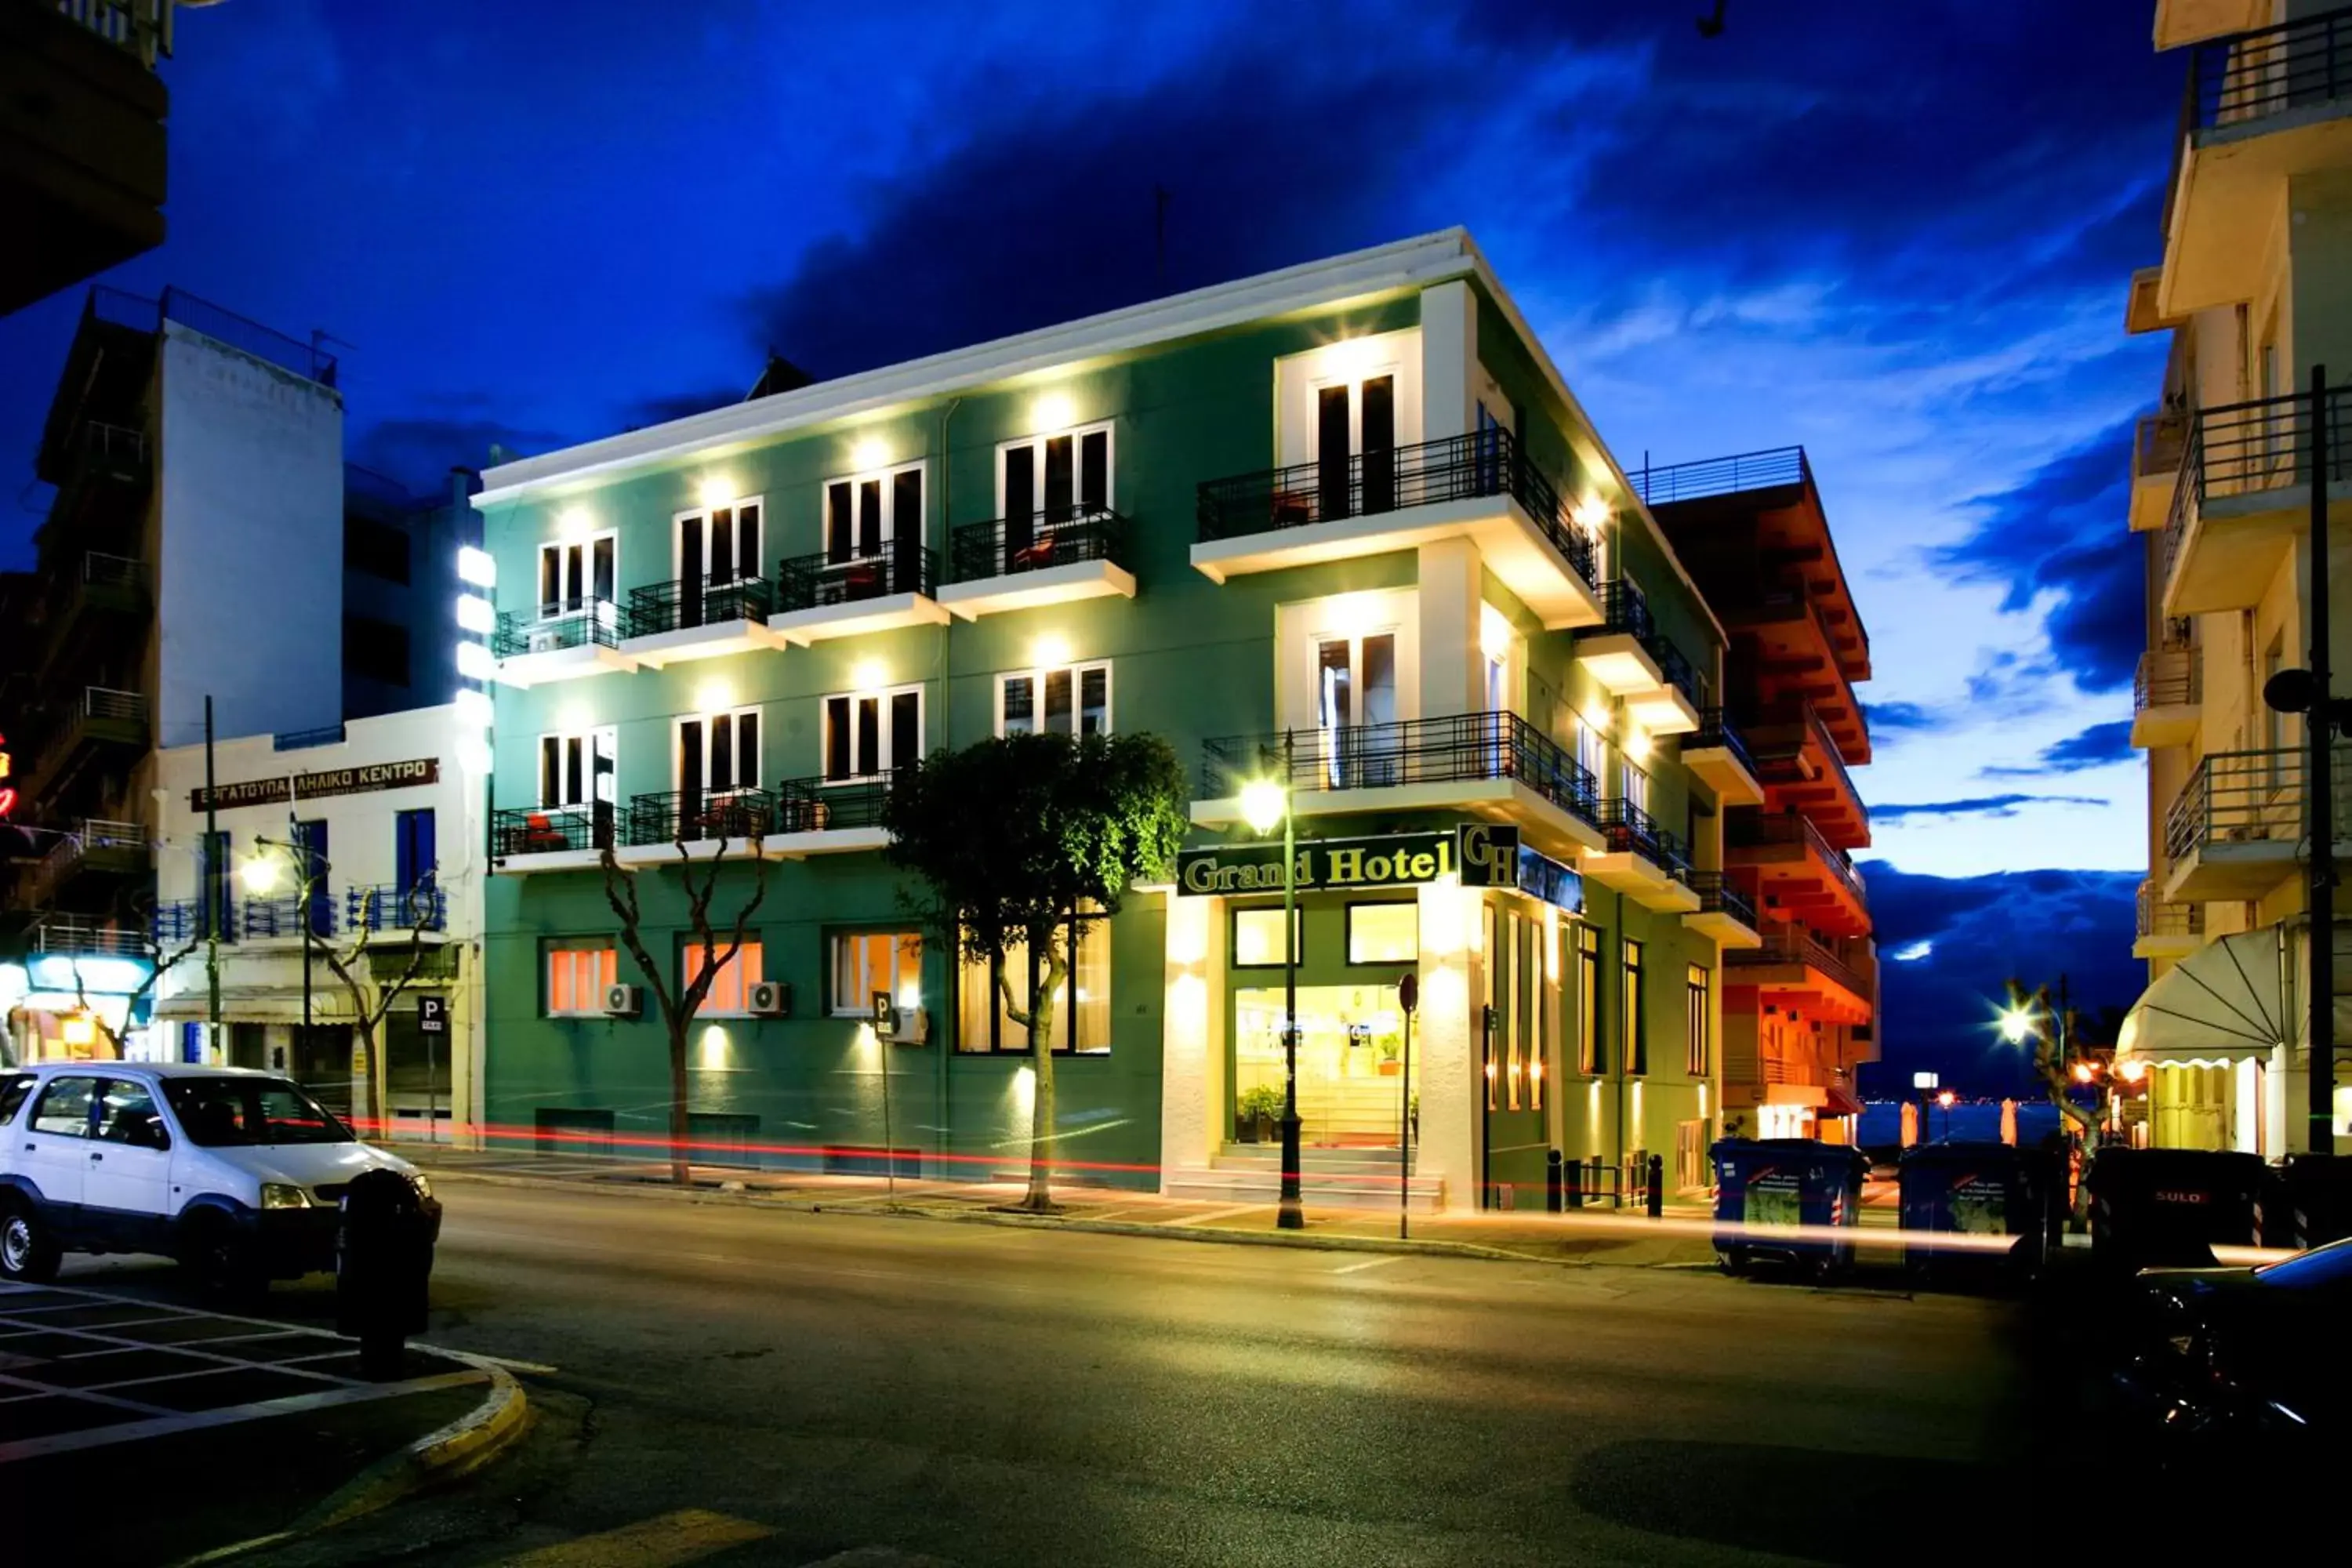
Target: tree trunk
point(680, 1162)
point(1040, 1198)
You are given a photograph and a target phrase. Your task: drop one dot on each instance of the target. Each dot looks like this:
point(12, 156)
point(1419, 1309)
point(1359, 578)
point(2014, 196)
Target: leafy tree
point(1024, 841)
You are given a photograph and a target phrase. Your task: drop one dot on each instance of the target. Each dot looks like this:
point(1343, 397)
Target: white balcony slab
point(825, 841)
point(856, 617)
point(547, 666)
point(1640, 878)
point(1662, 710)
point(1065, 585)
point(1559, 833)
point(712, 639)
point(1720, 769)
point(1722, 927)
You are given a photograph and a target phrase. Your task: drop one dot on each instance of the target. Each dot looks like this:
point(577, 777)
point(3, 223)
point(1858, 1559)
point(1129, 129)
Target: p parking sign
point(886, 1014)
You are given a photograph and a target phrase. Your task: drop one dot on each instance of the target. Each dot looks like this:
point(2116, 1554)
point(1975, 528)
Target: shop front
point(70, 1007)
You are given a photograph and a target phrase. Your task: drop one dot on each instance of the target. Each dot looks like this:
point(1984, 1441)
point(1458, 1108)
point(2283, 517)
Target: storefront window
point(1351, 1089)
point(1382, 933)
point(1257, 937)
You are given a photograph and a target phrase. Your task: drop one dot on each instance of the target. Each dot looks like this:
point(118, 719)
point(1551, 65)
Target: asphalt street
point(730, 1384)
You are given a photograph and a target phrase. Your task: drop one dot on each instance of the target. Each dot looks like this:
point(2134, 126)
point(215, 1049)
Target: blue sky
point(1896, 233)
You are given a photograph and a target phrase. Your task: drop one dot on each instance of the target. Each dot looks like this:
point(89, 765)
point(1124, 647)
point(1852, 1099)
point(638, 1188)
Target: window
point(1355, 419)
point(1383, 933)
point(1355, 685)
point(1637, 787)
point(2274, 721)
point(64, 1107)
point(864, 512)
point(577, 768)
point(1081, 1005)
point(1698, 1052)
point(14, 1092)
point(378, 549)
point(1637, 1027)
point(730, 995)
point(1592, 749)
point(1492, 1022)
point(578, 976)
point(866, 961)
point(416, 850)
point(126, 1113)
point(575, 573)
point(375, 650)
point(1048, 477)
point(718, 752)
point(1257, 936)
point(869, 733)
point(1589, 1054)
point(1071, 702)
point(718, 545)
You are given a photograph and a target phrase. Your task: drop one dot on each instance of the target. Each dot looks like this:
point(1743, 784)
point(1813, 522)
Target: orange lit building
point(1800, 1009)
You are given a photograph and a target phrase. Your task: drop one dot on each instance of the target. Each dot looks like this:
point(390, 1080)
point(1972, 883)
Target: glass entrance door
point(1351, 1085)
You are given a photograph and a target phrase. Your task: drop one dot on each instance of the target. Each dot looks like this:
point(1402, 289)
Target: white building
point(391, 826)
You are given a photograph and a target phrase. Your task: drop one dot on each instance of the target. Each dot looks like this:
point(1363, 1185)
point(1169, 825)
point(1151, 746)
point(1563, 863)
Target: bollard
point(1572, 1179)
point(384, 1260)
point(1552, 1181)
point(1657, 1184)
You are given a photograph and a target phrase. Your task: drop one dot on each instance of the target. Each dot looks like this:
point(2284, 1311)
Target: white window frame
point(873, 768)
point(734, 739)
point(1076, 434)
point(730, 971)
point(1300, 377)
point(890, 519)
point(1593, 749)
point(571, 957)
point(586, 544)
point(701, 514)
point(1076, 671)
point(1633, 785)
point(587, 739)
point(900, 987)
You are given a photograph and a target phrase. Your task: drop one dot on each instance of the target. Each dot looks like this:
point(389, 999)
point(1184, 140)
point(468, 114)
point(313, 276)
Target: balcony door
point(716, 549)
point(1046, 481)
point(575, 575)
point(873, 525)
point(1355, 446)
point(1355, 709)
point(717, 755)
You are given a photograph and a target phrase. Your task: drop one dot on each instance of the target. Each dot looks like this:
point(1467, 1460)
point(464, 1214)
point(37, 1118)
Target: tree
point(680, 1001)
point(2054, 1032)
point(355, 966)
point(1022, 843)
point(160, 960)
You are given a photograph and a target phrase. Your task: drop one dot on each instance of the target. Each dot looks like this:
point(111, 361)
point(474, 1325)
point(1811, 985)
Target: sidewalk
point(138, 1431)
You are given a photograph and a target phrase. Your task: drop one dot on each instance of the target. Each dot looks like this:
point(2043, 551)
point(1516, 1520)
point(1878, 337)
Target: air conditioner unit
point(771, 999)
point(914, 1026)
point(546, 639)
point(624, 1001)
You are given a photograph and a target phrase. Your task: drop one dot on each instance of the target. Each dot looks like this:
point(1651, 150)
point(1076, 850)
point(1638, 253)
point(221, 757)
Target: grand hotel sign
point(1483, 855)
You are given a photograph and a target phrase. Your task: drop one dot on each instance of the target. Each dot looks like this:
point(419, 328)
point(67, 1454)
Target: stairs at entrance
point(1328, 1178)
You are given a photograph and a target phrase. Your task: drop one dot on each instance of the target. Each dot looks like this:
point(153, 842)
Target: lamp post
point(259, 876)
point(1263, 802)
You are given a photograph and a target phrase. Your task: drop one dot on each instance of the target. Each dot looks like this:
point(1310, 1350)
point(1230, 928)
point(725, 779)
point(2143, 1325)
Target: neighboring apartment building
point(2257, 248)
point(1800, 1007)
point(1352, 502)
point(400, 581)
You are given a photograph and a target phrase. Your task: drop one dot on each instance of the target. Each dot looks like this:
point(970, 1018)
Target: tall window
point(869, 733)
point(865, 512)
point(718, 752)
point(1637, 787)
point(2274, 721)
point(718, 544)
point(1045, 479)
point(1081, 1005)
point(1592, 749)
point(1355, 427)
point(1074, 700)
point(574, 574)
point(1494, 1026)
point(1355, 685)
point(1589, 1056)
point(579, 975)
point(1637, 1027)
point(1697, 1029)
point(866, 961)
point(576, 768)
point(730, 987)
point(416, 849)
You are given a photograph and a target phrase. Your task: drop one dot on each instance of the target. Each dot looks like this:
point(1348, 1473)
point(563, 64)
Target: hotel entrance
point(1351, 1085)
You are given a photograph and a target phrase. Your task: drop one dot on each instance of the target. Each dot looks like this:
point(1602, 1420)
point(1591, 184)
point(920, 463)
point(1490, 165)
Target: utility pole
point(212, 891)
point(1289, 1215)
point(2320, 729)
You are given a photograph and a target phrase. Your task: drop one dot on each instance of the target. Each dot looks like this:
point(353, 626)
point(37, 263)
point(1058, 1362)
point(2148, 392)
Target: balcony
point(1798, 871)
point(2166, 694)
point(2261, 107)
point(1726, 914)
point(560, 644)
point(1720, 758)
point(671, 623)
point(1481, 488)
point(280, 919)
point(526, 839)
point(697, 818)
point(2157, 446)
point(1792, 966)
point(1798, 760)
point(1025, 562)
point(2180, 22)
point(1803, 659)
point(2236, 830)
point(75, 936)
point(391, 909)
point(1496, 765)
point(2165, 930)
point(818, 597)
point(1632, 659)
point(105, 476)
point(95, 848)
point(94, 601)
point(1640, 859)
point(2244, 495)
point(105, 720)
point(817, 816)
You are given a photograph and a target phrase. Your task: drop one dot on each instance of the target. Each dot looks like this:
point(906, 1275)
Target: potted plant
point(1388, 1066)
point(1259, 1107)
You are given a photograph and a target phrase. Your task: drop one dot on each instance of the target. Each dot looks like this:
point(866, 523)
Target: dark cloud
point(1978, 805)
point(1981, 932)
point(2096, 747)
point(419, 451)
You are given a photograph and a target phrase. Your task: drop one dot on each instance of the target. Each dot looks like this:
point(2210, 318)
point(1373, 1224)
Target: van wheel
point(28, 1253)
point(225, 1273)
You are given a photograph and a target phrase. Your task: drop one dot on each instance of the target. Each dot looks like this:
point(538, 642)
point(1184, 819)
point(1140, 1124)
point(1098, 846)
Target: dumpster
point(1766, 1184)
point(1989, 1200)
point(383, 1262)
point(2170, 1207)
point(2308, 1201)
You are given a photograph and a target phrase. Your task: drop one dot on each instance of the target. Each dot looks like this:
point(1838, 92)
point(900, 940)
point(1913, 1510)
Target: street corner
point(240, 1431)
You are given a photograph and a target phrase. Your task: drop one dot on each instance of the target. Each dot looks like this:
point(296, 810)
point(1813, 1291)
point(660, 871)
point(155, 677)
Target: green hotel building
point(1345, 519)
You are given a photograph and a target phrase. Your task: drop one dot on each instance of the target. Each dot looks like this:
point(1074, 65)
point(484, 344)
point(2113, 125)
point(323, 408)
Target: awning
point(329, 1004)
point(1841, 1102)
point(2239, 998)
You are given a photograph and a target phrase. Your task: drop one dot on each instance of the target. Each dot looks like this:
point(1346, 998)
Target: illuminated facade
point(1352, 503)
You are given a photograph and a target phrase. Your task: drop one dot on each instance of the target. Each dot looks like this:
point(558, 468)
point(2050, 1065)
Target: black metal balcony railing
point(2167, 677)
point(1453, 467)
point(1786, 942)
point(550, 829)
point(117, 452)
point(282, 917)
point(1714, 730)
point(694, 816)
point(1624, 609)
point(814, 805)
point(2253, 75)
point(126, 708)
point(2245, 448)
point(1006, 546)
point(683, 602)
point(422, 906)
point(1461, 748)
point(1769, 469)
point(819, 581)
point(2156, 917)
point(135, 26)
point(595, 623)
point(1632, 830)
point(2249, 797)
point(1765, 830)
point(1718, 894)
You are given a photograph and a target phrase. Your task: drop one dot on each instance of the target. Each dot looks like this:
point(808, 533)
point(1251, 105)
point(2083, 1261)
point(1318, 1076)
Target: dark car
point(2245, 1369)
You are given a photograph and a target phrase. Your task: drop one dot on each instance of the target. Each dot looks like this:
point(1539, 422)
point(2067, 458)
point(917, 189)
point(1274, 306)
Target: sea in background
point(1969, 1121)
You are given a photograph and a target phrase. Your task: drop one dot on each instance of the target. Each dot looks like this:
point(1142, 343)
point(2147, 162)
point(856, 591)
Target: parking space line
point(93, 1395)
point(1370, 1263)
point(172, 1423)
point(1214, 1214)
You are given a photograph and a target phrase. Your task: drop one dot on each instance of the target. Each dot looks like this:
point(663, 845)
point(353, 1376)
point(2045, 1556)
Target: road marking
point(172, 1424)
point(1214, 1215)
point(1370, 1263)
point(672, 1538)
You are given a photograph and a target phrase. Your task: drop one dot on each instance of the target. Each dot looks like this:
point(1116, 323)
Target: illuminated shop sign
point(1483, 855)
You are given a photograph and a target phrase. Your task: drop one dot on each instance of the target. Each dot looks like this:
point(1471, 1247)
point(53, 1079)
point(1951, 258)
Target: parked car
point(2246, 1371)
point(236, 1174)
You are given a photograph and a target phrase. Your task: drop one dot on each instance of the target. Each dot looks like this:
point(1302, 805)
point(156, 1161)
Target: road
point(981, 1394)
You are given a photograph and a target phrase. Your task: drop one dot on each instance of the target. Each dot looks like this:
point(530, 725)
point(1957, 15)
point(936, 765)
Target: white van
point(239, 1174)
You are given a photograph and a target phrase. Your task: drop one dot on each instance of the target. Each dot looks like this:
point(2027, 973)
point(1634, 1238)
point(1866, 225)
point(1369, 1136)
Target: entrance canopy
point(2236, 999)
point(329, 1004)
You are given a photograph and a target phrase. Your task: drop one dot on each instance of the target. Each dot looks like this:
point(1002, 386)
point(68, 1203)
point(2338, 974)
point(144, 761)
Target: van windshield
point(227, 1112)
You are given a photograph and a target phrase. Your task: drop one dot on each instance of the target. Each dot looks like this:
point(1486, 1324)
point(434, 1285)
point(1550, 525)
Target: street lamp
point(2015, 1024)
point(261, 876)
point(1265, 802)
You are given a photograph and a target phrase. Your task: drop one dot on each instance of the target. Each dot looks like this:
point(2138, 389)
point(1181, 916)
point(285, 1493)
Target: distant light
point(1352, 356)
point(2131, 1069)
point(474, 709)
point(80, 1031)
point(870, 452)
point(1262, 803)
point(718, 490)
point(474, 756)
point(2082, 1072)
point(1946, 1098)
point(1636, 741)
point(475, 615)
point(1053, 413)
point(1494, 633)
point(869, 675)
point(1050, 652)
point(475, 663)
point(476, 566)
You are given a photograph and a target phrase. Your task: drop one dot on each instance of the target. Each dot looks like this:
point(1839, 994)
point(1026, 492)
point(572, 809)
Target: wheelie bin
point(1975, 1209)
point(1796, 1185)
point(2154, 1208)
